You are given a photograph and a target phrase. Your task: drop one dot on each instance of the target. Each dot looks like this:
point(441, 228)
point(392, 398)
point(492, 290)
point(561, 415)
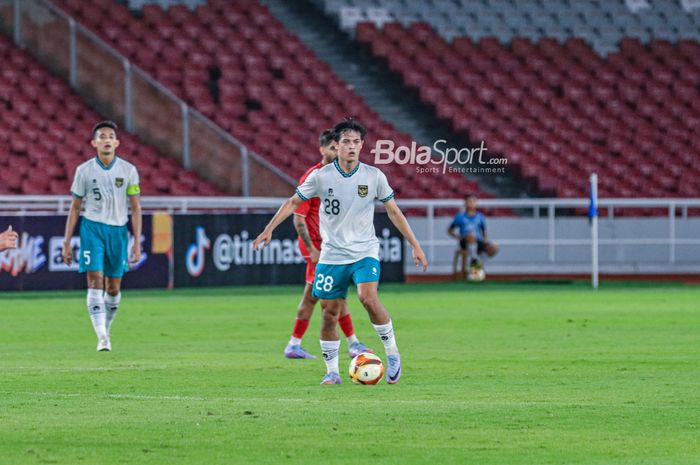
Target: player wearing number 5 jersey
point(347, 190)
point(105, 185)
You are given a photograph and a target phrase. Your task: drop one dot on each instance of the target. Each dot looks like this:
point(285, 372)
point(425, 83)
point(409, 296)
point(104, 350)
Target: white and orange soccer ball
point(366, 368)
point(477, 274)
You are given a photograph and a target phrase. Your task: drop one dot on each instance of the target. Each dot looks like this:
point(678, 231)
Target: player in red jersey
point(306, 224)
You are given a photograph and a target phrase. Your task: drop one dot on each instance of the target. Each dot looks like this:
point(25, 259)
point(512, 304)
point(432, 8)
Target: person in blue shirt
point(469, 228)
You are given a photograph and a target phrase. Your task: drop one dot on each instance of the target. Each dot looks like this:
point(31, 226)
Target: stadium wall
point(534, 246)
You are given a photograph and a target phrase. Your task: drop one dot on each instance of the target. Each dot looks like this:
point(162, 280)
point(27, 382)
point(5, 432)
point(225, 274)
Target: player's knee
point(492, 250)
point(369, 300)
point(331, 309)
point(329, 319)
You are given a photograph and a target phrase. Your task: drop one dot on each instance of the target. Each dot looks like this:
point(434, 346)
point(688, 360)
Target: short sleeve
point(309, 188)
point(133, 187)
point(78, 186)
point(482, 223)
point(455, 222)
point(384, 190)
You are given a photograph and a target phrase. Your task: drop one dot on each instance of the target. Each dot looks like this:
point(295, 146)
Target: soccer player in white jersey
point(347, 189)
point(105, 185)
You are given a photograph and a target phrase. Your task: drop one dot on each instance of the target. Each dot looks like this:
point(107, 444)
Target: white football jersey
point(347, 210)
point(105, 189)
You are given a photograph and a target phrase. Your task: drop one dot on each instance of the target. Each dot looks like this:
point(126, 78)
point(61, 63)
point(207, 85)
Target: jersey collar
point(343, 173)
point(103, 166)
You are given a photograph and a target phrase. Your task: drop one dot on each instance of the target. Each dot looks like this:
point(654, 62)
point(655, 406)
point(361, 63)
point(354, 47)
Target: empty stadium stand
point(560, 111)
point(560, 88)
point(238, 65)
point(601, 23)
point(45, 132)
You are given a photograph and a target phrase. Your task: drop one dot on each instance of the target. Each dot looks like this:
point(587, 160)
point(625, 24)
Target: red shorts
point(310, 271)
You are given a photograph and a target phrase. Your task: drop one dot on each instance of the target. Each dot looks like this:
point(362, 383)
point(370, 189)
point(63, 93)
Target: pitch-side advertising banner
point(217, 250)
point(36, 264)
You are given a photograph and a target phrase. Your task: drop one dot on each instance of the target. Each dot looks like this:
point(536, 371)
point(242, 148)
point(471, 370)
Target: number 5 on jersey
point(324, 283)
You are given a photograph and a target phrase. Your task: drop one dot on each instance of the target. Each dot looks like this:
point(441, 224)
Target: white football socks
point(352, 339)
point(386, 334)
point(96, 309)
point(294, 341)
point(111, 307)
point(330, 355)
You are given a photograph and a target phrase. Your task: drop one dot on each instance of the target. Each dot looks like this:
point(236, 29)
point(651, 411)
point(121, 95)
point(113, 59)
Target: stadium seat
point(558, 101)
point(270, 82)
point(48, 134)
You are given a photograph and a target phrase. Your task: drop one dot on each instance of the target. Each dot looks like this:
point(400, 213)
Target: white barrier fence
point(544, 238)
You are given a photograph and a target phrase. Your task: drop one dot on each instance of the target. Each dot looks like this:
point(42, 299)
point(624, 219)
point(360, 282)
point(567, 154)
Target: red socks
point(300, 327)
point(345, 323)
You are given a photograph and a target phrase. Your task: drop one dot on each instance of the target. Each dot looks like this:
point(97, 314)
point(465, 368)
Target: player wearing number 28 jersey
point(306, 223)
point(348, 189)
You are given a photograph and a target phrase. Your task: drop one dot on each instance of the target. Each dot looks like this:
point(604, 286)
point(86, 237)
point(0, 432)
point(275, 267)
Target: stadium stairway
point(381, 89)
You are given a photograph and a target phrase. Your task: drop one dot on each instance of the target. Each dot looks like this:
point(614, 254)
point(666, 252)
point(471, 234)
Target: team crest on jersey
point(362, 191)
point(119, 182)
point(330, 192)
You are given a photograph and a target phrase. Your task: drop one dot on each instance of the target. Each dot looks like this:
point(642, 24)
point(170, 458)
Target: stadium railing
point(117, 88)
point(548, 237)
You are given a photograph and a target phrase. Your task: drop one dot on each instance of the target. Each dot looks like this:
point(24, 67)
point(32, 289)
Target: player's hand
point(8, 239)
point(67, 253)
point(419, 258)
point(314, 254)
point(135, 255)
point(262, 240)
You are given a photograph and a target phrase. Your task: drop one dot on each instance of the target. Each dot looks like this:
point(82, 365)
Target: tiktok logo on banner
point(195, 257)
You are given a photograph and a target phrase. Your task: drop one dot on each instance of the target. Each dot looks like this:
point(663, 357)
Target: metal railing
point(126, 93)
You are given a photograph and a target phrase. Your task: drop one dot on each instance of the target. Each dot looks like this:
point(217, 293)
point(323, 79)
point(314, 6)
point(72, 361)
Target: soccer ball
point(477, 274)
point(366, 369)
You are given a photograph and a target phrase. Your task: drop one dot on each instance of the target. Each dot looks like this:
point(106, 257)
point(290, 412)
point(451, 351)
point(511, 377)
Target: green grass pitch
point(493, 374)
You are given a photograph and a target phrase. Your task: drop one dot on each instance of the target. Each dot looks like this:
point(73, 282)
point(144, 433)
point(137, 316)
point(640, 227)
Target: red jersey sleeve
point(303, 209)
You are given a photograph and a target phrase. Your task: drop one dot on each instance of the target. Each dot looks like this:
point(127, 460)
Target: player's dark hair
point(326, 138)
point(104, 124)
point(470, 195)
point(349, 124)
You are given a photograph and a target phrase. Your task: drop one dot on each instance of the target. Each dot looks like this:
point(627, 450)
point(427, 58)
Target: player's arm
point(303, 231)
point(284, 212)
point(484, 234)
point(451, 231)
point(399, 220)
point(136, 226)
point(71, 221)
